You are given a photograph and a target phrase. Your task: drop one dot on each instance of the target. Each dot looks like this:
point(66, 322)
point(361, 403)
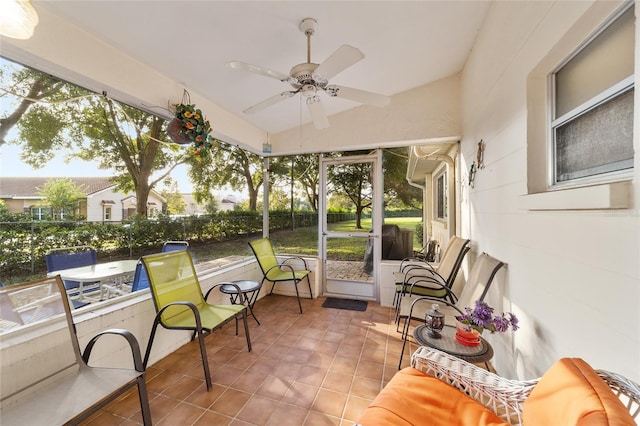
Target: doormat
point(350, 304)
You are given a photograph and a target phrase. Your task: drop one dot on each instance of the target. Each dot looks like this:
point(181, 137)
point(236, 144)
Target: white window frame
point(444, 203)
point(609, 94)
point(39, 212)
point(540, 195)
point(107, 214)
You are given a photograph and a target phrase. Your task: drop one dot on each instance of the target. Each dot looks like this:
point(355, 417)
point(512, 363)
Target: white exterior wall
point(95, 207)
point(573, 277)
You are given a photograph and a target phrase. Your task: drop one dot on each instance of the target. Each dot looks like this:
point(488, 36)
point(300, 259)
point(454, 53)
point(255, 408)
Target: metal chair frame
point(180, 305)
point(277, 272)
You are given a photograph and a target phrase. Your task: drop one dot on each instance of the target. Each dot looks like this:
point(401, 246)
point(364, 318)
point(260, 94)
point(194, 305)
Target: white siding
point(573, 276)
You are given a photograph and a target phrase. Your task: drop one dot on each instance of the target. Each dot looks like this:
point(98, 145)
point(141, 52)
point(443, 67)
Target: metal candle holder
point(434, 321)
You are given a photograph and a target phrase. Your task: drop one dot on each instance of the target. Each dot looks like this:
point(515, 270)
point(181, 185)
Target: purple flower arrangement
point(481, 318)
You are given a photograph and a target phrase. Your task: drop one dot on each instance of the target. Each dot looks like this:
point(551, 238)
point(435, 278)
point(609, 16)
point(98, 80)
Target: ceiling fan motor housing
point(302, 75)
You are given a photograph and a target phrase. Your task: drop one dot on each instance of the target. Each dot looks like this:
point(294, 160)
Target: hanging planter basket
point(190, 127)
point(174, 131)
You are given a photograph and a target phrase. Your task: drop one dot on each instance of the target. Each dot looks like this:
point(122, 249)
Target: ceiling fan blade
point(236, 65)
point(319, 117)
point(358, 95)
point(268, 102)
point(339, 61)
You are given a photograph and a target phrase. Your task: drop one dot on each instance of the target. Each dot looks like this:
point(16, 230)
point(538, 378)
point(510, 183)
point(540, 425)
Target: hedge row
point(23, 245)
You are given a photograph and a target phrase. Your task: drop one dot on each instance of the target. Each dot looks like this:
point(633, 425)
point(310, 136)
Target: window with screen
point(593, 107)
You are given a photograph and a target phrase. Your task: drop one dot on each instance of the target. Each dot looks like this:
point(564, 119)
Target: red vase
point(466, 335)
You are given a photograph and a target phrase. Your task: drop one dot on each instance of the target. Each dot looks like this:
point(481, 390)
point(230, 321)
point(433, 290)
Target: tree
point(279, 199)
point(212, 206)
point(63, 195)
point(307, 175)
point(227, 165)
point(394, 166)
point(129, 141)
point(34, 85)
point(354, 181)
point(92, 127)
point(175, 202)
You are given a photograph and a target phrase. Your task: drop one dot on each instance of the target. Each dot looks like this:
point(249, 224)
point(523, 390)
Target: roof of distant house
point(27, 186)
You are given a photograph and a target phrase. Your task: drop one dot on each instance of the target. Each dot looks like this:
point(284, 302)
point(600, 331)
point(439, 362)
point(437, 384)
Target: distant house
point(102, 203)
point(228, 203)
point(193, 207)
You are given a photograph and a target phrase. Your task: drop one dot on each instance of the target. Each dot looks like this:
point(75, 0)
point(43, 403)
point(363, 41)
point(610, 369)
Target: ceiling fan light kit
point(310, 79)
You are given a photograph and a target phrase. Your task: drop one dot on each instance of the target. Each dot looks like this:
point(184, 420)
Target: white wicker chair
point(503, 396)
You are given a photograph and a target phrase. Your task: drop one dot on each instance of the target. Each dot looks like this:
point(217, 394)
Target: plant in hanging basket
point(189, 126)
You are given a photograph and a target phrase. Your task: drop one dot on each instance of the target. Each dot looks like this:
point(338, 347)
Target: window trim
point(614, 193)
point(553, 122)
point(445, 196)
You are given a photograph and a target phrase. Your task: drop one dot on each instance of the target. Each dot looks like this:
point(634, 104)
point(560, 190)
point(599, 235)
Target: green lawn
point(305, 240)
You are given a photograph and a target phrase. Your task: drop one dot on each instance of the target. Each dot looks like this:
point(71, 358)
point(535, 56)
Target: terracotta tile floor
point(319, 368)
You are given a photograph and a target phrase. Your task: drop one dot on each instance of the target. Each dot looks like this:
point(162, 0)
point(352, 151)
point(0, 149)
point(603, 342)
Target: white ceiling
point(406, 44)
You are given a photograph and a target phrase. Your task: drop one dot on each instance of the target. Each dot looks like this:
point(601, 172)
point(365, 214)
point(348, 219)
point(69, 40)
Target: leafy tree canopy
point(175, 202)
point(62, 195)
point(53, 115)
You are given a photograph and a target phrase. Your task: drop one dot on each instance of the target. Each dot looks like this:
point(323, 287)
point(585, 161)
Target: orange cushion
point(572, 393)
point(414, 398)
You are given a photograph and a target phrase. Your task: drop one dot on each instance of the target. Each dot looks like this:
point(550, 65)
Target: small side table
point(448, 343)
point(249, 291)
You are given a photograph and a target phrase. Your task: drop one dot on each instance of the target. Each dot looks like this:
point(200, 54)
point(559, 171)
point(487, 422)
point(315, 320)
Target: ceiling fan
point(309, 79)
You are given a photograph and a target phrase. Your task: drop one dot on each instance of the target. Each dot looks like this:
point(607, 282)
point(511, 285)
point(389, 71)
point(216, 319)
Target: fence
point(23, 244)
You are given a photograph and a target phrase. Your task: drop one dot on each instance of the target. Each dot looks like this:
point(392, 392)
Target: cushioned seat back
point(452, 259)
point(480, 278)
point(172, 278)
point(572, 393)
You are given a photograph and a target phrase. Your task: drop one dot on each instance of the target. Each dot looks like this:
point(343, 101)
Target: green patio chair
point(180, 305)
point(279, 272)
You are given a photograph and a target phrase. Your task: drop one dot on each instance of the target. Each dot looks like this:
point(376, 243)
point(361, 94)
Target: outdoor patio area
point(319, 368)
point(347, 270)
